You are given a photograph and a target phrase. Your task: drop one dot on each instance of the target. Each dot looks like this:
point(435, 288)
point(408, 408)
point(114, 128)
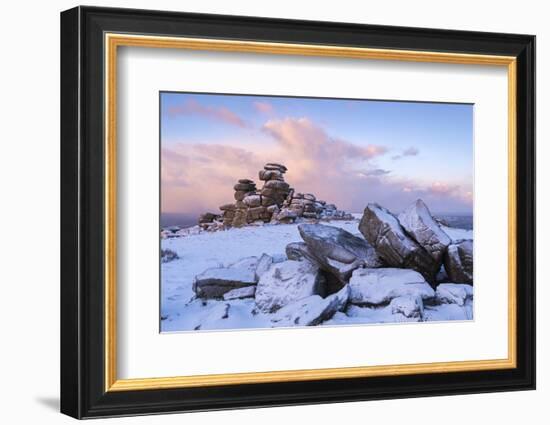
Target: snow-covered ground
point(458, 234)
point(180, 311)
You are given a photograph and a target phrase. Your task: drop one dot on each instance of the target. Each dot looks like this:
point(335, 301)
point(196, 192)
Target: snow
point(418, 219)
point(264, 263)
point(312, 310)
point(408, 306)
point(244, 292)
point(446, 312)
point(387, 217)
point(454, 293)
point(285, 283)
point(419, 223)
point(201, 250)
point(229, 275)
point(378, 286)
point(458, 235)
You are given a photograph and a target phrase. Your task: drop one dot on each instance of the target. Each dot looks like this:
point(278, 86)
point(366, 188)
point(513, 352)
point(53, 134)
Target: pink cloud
point(442, 189)
point(303, 136)
point(264, 107)
point(192, 107)
point(200, 177)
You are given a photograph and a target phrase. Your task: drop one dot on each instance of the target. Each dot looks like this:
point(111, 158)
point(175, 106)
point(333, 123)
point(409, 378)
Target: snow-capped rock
point(246, 263)
point(286, 282)
point(378, 286)
point(458, 235)
point(240, 293)
point(252, 201)
point(263, 265)
point(215, 282)
point(383, 231)
point(454, 293)
point(459, 262)
point(420, 225)
point(408, 306)
point(312, 310)
point(286, 216)
point(298, 251)
point(444, 312)
point(338, 252)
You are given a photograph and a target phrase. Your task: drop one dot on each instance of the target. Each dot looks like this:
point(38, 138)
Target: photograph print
point(280, 212)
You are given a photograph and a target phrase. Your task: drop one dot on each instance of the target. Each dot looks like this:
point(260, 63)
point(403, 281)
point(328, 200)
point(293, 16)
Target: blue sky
point(356, 151)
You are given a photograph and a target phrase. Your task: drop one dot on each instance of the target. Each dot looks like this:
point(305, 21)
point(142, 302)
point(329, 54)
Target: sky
point(347, 152)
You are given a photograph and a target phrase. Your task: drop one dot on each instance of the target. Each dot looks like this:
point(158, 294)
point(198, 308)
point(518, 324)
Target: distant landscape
point(182, 220)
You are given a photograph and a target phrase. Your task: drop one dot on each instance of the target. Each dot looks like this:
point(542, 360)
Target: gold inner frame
point(113, 41)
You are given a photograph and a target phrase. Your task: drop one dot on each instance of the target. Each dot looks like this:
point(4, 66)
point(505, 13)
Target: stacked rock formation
point(414, 240)
point(209, 221)
point(275, 202)
point(275, 189)
point(244, 189)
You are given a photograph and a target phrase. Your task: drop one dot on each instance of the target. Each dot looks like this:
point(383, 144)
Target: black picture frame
point(83, 392)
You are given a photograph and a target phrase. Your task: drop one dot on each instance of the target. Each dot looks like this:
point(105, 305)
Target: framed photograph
point(261, 212)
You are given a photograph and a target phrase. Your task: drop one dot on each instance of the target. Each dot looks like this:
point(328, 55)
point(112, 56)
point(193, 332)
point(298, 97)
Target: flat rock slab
point(380, 286)
point(313, 310)
point(215, 282)
point(384, 232)
point(240, 293)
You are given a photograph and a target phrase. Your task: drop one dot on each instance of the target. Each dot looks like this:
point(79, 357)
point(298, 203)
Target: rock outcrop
point(459, 262)
point(209, 221)
point(420, 225)
point(336, 251)
point(384, 232)
point(404, 269)
point(299, 251)
point(275, 202)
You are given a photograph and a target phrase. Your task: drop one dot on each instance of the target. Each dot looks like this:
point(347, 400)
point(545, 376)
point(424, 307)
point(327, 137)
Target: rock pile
point(332, 272)
point(275, 202)
point(209, 221)
point(275, 190)
point(414, 240)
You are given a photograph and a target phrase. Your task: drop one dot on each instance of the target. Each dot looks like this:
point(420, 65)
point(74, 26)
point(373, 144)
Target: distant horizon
point(347, 152)
point(169, 219)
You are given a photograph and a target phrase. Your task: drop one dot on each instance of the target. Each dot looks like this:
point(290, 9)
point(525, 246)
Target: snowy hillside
point(199, 251)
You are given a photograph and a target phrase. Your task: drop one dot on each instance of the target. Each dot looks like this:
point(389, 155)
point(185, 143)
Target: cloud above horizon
point(200, 177)
point(412, 151)
point(219, 114)
point(264, 108)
